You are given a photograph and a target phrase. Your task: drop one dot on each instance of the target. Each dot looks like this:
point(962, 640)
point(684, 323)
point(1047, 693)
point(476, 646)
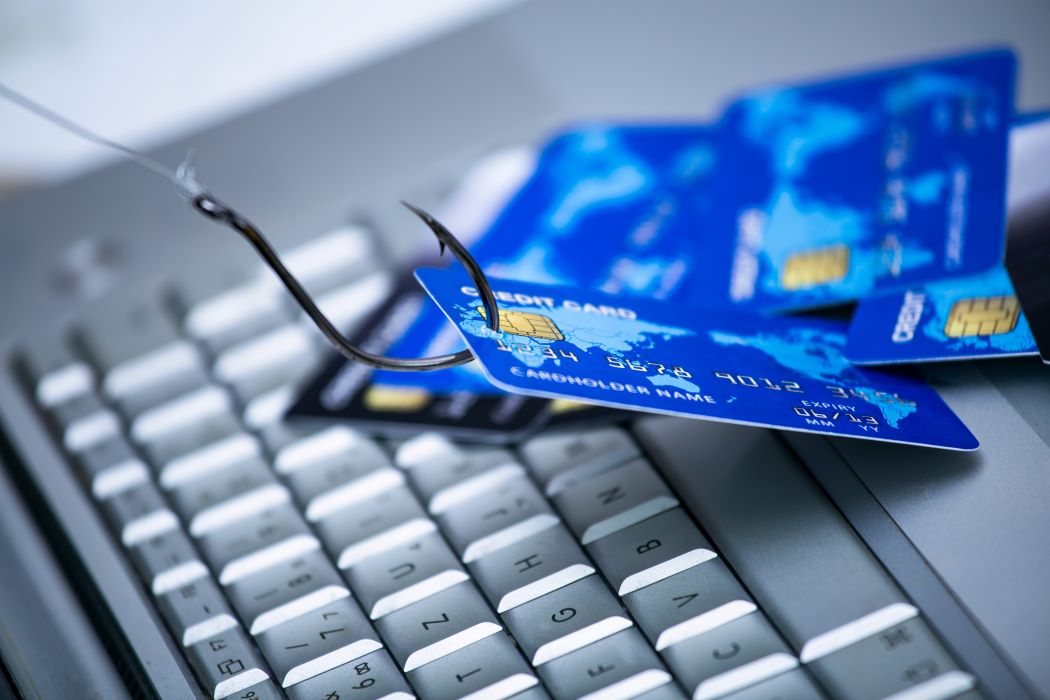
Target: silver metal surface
point(793, 684)
point(220, 497)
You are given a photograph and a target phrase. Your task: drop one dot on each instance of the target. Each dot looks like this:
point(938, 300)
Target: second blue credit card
point(830, 190)
point(613, 207)
point(572, 343)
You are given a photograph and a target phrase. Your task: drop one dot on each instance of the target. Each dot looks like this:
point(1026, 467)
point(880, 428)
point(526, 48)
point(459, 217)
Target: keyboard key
point(669, 691)
point(562, 459)
point(491, 668)
point(793, 684)
point(530, 568)
point(330, 483)
point(111, 466)
point(192, 437)
point(55, 373)
point(371, 677)
point(432, 450)
point(764, 513)
point(437, 625)
point(337, 444)
point(200, 406)
point(226, 663)
point(496, 518)
point(260, 691)
point(167, 561)
point(138, 513)
point(404, 575)
point(449, 482)
point(620, 666)
point(277, 357)
point(353, 534)
point(614, 500)
point(317, 641)
point(896, 658)
point(185, 373)
point(270, 407)
point(221, 453)
point(221, 318)
point(326, 261)
point(650, 551)
point(285, 590)
point(84, 421)
point(195, 611)
point(350, 303)
point(257, 542)
point(566, 620)
point(226, 495)
point(688, 603)
point(729, 657)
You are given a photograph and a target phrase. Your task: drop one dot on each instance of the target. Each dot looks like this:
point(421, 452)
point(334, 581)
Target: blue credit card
point(612, 207)
point(956, 319)
point(830, 190)
point(662, 357)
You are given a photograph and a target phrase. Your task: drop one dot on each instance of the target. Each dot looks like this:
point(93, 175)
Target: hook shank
point(212, 208)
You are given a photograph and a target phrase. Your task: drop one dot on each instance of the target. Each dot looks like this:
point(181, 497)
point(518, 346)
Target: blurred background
point(145, 73)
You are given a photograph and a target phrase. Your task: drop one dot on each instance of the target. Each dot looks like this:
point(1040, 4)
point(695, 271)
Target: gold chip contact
point(982, 316)
point(395, 399)
point(815, 267)
point(527, 324)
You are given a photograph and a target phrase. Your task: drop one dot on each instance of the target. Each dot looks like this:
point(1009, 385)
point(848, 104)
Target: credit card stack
point(658, 268)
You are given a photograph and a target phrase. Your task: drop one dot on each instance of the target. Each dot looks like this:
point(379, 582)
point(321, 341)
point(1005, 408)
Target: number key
point(370, 677)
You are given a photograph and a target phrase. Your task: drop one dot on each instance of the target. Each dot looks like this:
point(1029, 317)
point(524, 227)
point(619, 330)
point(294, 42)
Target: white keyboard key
point(257, 542)
point(496, 518)
point(193, 408)
point(651, 550)
point(238, 447)
point(57, 375)
point(226, 663)
point(225, 495)
point(110, 467)
point(437, 625)
point(446, 483)
point(620, 666)
point(326, 260)
point(404, 575)
point(139, 513)
point(561, 459)
point(286, 590)
point(345, 306)
point(167, 561)
point(490, 669)
point(353, 534)
point(614, 500)
point(530, 568)
point(317, 641)
point(196, 611)
point(374, 676)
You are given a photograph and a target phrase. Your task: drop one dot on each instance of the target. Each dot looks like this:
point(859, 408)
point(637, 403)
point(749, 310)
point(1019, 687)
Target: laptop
point(164, 533)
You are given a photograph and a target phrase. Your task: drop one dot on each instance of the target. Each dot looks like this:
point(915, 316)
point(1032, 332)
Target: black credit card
point(347, 392)
point(1028, 262)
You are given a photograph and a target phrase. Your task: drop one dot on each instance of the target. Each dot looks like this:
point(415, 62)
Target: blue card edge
point(550, 395)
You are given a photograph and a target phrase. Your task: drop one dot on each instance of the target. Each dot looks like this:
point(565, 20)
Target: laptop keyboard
point(327, 565)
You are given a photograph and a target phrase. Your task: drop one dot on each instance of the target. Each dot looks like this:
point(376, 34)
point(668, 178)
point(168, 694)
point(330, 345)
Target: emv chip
point(982, 316)
point(396, 399)
point(527, 324)
point(815, 267)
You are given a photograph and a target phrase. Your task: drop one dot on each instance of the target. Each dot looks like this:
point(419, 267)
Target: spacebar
point(802, 562)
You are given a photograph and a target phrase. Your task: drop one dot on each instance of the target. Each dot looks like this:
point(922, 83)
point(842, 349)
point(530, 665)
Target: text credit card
point(830, 190)
point(565, 342)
